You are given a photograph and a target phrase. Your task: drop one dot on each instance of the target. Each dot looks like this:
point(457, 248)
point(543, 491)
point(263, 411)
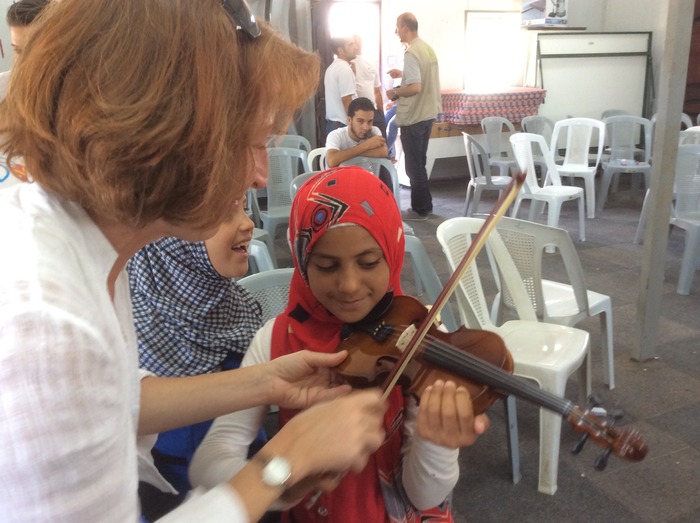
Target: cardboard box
point(444, 129)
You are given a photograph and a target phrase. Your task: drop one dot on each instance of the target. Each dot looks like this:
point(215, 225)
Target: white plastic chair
point(686, 121)
point(317, 159)
point(565, 302)
point(295, 141)
point(551, 192)
point(260, 257)
point(537, 124)
point(284, 164)
point(262, 235)
point(298, 181)
point(612, 112)
point(496, 130)
point(543, 352)
point(689, 136)
point(688, 152)
point(271, 289)
point(577, 161)
point(480, 178)
point(624, 133)
point(686, 212)
point(544, 126)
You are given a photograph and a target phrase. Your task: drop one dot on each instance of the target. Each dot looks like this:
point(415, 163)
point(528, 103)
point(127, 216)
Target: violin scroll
point(626, 443)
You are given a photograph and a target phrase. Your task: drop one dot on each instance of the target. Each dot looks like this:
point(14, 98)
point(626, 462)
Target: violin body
point(375, 349)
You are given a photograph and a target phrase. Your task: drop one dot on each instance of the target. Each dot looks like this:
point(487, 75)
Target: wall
point(443, 27)
point(6, 60)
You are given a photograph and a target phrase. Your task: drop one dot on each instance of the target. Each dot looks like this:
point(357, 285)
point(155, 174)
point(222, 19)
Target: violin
point(472, 358)
point(404, 346)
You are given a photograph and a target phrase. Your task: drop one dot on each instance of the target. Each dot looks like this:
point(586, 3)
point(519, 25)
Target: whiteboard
point(586, 73)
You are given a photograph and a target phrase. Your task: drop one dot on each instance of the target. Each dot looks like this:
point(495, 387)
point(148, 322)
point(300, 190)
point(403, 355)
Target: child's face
point(348, 273)
point(228, 248)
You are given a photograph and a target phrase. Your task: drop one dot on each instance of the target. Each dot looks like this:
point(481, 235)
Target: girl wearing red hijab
point(347, 242)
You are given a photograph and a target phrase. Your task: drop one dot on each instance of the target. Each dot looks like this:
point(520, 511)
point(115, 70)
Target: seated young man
point(359, 138)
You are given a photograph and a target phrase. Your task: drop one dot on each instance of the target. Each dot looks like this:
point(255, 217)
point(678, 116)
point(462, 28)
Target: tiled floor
point(661, 397)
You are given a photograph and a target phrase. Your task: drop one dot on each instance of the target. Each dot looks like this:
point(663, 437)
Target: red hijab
point(346, 195)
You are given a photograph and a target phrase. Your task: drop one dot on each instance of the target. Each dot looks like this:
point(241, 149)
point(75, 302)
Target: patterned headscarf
point(346, 195)
point(188, 317)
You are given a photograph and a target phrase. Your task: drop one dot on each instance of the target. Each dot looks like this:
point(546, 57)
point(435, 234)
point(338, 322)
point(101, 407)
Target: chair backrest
point(271, 289)
point(686, 121)
point(298, 181)
point(523, 144)
point(260, 256)
point(317, 159)
point(477, 159)
point(494, 129)
point(687, 183)
point(381, 167)
point(285, 163)
point(526, 242)
point(689, 136)
point(537, 124)
point(612, 112)
point(455, 235)
point(625, 133)
point(294, 141)
point(578, 133)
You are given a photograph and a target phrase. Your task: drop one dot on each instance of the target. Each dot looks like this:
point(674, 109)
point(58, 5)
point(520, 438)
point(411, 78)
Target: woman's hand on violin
point(330, 438)
point(446, 417)
point(299, 380)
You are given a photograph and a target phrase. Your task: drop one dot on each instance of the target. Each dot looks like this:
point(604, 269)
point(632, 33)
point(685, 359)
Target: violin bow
point(477, 244)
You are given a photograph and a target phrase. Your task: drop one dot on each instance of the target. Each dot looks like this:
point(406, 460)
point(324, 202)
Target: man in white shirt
point(359, 138)
point(339, 83)
point(369, 85)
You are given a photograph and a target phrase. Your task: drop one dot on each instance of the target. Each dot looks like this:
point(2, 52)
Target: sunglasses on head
point(242, 17)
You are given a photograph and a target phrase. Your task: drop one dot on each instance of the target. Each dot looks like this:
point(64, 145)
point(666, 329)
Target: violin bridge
point(405, 338)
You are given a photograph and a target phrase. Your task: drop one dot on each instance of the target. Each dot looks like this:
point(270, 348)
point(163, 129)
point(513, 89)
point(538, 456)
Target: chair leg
point(590, 195)
point(690, 261)
point(639, 235)
point(513, 440)
point(581, 221)
point(468, 209)
point(476, 200)
point(603, 189)
point(606, 342)
point(550, 433)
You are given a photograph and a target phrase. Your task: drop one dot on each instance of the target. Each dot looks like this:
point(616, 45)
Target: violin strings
point(449, 358)
point(444, 356)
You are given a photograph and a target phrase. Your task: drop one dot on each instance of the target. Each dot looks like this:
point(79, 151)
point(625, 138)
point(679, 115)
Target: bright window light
point(496, 52)
point(362, 18)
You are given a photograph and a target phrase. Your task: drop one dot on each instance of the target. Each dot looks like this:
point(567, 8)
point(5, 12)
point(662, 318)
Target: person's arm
point(443, 423)
point(374, 147)
point(405, 91)
point(411, 83)
point(380, 150)
point(315, 441)
point(378, 98)
point(346, 102)
point(295, 381)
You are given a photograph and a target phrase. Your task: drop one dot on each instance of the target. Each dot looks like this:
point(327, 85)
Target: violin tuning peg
point(578, 446)
point(602, 461)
